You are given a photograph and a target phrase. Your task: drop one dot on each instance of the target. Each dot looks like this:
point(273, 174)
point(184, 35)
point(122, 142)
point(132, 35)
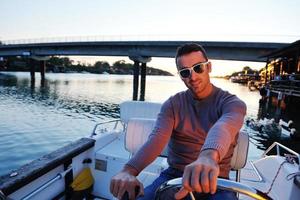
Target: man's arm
point(126, 179)
point(201, 175)
point(223, 133)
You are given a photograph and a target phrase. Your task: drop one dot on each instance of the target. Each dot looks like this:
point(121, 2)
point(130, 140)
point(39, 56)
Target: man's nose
point(193, 75)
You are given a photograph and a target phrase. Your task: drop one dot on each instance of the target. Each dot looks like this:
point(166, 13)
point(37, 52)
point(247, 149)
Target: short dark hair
point(189, 48)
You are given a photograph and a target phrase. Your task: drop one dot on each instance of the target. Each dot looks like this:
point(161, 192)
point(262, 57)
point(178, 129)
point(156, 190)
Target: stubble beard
point(198, 90)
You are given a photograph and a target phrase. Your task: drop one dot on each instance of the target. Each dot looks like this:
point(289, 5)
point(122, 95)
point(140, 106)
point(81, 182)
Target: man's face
point(198, 83)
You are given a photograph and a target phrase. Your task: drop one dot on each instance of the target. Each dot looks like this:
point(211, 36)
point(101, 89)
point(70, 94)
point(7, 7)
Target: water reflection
point(270, 110)
point(8, 80)
point(41, 116)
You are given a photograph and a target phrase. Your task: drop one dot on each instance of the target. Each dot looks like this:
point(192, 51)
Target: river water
point(36, 119)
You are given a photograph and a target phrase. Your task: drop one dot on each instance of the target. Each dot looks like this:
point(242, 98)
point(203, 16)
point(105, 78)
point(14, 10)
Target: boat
point(254, 85)
point(83, 168)
point(241, 78)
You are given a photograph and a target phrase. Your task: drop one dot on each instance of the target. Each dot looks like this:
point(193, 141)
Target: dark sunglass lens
point(198, 69)
point(185, 73)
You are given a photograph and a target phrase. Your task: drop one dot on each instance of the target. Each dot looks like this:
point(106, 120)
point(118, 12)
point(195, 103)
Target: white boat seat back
point(138, 109)
point(239, 158)
point(139, 129)
point(137, 133)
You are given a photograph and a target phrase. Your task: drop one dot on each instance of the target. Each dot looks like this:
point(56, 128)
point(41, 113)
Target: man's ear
point(209, 66)
point(177, 62)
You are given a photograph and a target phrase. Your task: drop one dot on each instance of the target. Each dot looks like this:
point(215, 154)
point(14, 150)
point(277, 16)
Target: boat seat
point(137, 133)
point(240, 153)
point(138, 109)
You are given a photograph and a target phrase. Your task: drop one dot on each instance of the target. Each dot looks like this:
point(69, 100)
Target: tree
point(246, 68)
point(67, 61)
point(119, 63)
point(57, 61)
point(102, 64)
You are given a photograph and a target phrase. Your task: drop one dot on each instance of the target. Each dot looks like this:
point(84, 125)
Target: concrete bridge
point(138, 51)
point(243, 51)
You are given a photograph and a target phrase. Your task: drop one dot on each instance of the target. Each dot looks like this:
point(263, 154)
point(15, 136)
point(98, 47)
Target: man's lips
point(195, 84)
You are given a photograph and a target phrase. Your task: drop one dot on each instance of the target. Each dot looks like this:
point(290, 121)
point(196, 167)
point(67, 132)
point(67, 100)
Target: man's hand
point(126, 181)
point(201, 175)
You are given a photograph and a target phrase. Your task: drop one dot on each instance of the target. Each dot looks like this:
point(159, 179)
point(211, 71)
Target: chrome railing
point(104, 129)
point(47, 184)
point(278, 146)
point(260, 178)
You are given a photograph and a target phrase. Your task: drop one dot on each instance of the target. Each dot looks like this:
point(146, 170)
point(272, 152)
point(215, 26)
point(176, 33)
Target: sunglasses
point(198, 68)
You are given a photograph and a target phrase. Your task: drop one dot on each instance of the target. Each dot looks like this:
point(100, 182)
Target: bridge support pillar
point(43, 69)
point(42, 64)
point(143, 82)
point(136, 72)
point(32, 69)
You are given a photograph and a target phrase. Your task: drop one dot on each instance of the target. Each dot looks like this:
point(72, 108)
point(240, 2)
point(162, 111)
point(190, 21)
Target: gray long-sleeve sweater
point(191, 126)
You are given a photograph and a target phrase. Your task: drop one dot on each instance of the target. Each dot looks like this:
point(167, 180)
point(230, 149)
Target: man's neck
point(205, 93)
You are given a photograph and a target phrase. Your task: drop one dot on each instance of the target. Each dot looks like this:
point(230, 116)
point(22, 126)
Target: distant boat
point(105, 72)
point(239, 79)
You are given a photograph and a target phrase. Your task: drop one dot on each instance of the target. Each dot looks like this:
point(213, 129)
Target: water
point(36, 119)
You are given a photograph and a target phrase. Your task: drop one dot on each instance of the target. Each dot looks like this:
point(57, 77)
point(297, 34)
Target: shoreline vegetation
point(246, 71)
point(65, 65)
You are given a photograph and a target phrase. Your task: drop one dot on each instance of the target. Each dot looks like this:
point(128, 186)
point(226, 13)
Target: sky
point(214, 20)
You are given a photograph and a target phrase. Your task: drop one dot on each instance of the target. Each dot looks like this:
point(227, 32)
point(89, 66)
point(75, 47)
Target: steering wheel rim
point(222, 184)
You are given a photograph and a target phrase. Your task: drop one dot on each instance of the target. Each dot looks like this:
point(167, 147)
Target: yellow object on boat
point(83, 180)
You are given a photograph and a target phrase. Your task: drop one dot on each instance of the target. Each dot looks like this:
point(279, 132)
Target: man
point(200, 126)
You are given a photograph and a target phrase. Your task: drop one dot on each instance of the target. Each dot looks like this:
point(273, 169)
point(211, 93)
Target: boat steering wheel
point(222, 184)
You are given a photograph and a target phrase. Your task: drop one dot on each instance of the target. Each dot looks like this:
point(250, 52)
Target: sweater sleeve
point(157, 140)
point(222, 134)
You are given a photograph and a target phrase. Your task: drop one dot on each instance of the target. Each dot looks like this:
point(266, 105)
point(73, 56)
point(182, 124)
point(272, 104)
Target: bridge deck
point(243, 51)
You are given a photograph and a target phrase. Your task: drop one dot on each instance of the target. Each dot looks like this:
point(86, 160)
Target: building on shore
point(282, 72)
point(281, 91)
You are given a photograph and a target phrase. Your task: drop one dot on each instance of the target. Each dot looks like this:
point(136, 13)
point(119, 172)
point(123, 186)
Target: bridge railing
point(100, 38)
point(183, 37)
